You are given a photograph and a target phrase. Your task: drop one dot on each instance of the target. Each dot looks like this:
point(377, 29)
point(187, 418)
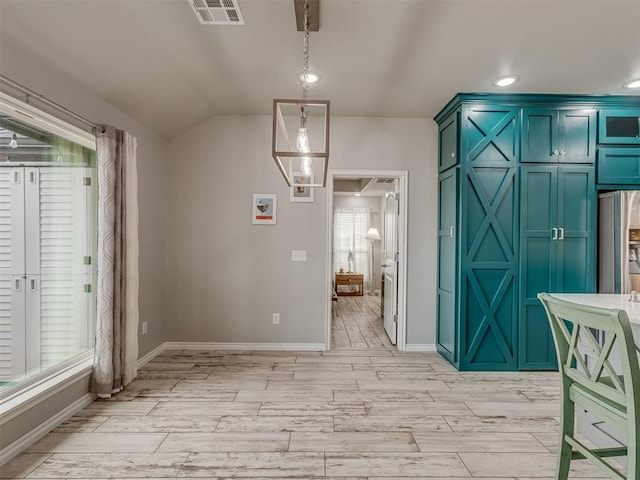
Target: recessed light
point(633, 83)
point(311, 77)
point(505, 81)
point(358, 194)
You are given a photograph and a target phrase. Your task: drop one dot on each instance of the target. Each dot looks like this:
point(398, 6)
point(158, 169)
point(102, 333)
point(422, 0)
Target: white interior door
point(390, 267)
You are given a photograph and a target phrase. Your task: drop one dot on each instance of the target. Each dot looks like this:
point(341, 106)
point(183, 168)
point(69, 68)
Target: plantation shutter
point(61, 264)
point(12, 268)
point(349, 229)
point(45, 275)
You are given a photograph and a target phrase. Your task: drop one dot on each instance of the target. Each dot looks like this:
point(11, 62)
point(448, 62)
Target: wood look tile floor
point(357, 323)
point(361, 411)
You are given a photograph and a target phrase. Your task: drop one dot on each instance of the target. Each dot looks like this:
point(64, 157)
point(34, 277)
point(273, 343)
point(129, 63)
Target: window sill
point(39, 389)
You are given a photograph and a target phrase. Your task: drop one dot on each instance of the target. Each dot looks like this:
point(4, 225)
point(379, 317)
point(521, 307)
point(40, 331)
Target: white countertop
point(604, 300)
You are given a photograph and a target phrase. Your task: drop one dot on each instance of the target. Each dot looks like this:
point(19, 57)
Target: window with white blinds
point(45, 267)
point(48, 228)
point(350, 225)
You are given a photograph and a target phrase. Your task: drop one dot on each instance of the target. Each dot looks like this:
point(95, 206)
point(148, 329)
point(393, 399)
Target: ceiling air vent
point(217, 12)
point(384, 180)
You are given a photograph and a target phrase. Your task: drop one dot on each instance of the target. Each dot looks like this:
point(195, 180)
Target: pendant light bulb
point(305, 166)
point(302, 143)
point(303, 140)
point(14, 141)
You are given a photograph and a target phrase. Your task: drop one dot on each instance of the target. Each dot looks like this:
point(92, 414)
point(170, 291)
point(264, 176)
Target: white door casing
point(402, 177)
point(390, 266)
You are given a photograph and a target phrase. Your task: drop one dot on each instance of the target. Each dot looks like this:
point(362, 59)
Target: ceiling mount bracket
point(313, 13)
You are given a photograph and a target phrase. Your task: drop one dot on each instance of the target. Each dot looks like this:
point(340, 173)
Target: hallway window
point(47, 245)
point(350, 248)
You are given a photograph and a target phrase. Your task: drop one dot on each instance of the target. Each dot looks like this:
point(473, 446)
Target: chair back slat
point(574, 354)
point(600, 388)
point(572, 326)
point(607, 387)
point(603, 363)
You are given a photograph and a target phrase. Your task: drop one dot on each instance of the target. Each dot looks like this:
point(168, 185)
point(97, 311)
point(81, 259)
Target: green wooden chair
point(612, 396)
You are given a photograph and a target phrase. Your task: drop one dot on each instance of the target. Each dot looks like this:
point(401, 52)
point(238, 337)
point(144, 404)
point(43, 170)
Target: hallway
point(357, 323)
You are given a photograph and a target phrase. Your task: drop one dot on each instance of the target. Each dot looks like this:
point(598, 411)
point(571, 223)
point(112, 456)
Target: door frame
point(403, 183)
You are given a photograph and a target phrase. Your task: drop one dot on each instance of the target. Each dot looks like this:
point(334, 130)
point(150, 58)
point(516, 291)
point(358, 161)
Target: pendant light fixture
point(13, 143)
point(305, 160)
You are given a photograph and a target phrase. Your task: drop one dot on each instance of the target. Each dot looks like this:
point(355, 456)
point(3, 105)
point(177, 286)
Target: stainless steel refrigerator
point(619, 241)
point(618, 272)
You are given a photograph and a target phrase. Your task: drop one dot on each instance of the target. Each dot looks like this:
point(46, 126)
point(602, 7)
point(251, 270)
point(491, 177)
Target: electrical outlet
point(145, 327)
point(276, 319)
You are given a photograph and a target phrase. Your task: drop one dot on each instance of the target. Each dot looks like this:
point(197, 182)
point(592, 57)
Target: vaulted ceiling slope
point(153, 60)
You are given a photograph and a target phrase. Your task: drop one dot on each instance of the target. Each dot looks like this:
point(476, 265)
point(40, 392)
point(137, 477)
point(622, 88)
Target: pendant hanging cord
point(305, 51)
point(30, 93)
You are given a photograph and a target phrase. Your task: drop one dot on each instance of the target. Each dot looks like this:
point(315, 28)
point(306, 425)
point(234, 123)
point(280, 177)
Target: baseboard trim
point(231, 346)
point(41, 430)
point(142, 361)
point(420, 347)
point(243, 346)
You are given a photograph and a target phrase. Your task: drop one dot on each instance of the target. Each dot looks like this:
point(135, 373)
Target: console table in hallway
point(350, 279)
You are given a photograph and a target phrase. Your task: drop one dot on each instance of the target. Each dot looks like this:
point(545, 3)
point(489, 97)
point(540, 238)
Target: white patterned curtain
point(350, 225)
point(116, 349)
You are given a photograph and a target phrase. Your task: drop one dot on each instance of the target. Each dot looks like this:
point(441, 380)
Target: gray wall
point(206, 273)
point(36, 74)
point(225, 276)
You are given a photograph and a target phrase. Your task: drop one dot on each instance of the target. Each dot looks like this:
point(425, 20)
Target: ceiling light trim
point(506, 80)
point(633, 84)
point(309, 78)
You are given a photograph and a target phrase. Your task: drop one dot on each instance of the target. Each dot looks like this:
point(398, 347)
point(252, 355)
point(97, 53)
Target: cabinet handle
point(32, 284)
point(555, 233)
point(561, 233)
point(452, 231)
point(555, 153)
point(563, 152)
point(18, 286)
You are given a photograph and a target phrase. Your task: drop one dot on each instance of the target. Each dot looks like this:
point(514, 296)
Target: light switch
point(298, 255)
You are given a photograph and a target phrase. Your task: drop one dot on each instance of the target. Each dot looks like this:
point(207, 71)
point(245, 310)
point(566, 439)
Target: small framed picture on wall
point(299, 192)
point(263, 211)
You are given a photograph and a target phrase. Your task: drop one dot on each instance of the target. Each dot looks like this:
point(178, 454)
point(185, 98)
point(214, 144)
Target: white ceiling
point(406, 58)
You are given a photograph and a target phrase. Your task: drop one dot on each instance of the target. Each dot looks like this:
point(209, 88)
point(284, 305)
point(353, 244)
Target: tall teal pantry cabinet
point(477, 232)
point(517, 216)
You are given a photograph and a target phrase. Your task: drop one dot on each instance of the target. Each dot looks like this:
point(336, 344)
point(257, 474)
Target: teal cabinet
point(517, 216)
point(448, 142)
point(557, 250)
point(477, 236)
point(448, 186)
point(553, 135)
point(620, 126)
point(619, 166)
